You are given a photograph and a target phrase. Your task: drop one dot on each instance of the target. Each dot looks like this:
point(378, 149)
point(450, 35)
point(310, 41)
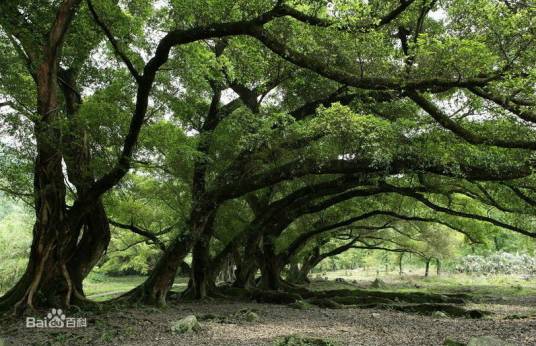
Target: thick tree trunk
point(95, 227)
point(157, 286)
point(184, 269)
point(92, 245)
point(245, 274)
point(229, 271)
point(270, 274)
point(201, 280)
point(293, 272)
point(46, 280)
point(309, 262)
point(201, 277)
point(247, 268)
point(226, 259)
point(270, 266)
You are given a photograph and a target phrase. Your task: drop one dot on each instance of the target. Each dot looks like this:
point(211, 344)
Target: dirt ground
point(351, 326)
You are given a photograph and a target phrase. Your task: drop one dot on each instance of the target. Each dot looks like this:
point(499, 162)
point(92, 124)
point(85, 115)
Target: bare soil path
point(136, 326)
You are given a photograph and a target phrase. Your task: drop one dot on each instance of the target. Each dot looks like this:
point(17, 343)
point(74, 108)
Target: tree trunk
point(270, 274)
point(438, 267)
point(184, 269)
point(270, 265)
point(155, 289)
point(305, 270)
point(157, 286)
point(245, 274)
point(246, 269)
point(301, 276)
point(226, 272)
point(91, 247)
point(201, 281)
point(226, 259)
point(96, 229)
point(53, 242)
point(293, 272)
point(202, 231)
point(427, 267)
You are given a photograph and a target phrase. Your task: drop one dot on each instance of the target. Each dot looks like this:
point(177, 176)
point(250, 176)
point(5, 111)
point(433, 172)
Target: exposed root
point(355, 300)
point(141, 295)
point(234, 293)
point(259, 295)
point(274, 297)
point(67, 277)
point(429, 309)
point(409, 297)
point(325, 303)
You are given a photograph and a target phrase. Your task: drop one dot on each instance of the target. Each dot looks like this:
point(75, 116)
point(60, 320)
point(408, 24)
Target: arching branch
point(472, 137)
point(506, 103)
point(144, 233)
point(421, 198)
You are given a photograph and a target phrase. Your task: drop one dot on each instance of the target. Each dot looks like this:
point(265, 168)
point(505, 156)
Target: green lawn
point(101, 287)
point(476, 285)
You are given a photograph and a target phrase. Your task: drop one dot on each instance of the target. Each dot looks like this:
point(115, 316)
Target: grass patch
point(101, 287)
point(474, 285)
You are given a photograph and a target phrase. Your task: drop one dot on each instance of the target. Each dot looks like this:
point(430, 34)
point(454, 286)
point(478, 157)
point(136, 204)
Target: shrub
point(498, 263)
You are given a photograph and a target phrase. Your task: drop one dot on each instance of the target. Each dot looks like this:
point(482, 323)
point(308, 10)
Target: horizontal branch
point(369, 83)
point(421, 198)
point(300, 168)
point(144, 233)
point(322, 22)
point(472, 137)
point(505, 103)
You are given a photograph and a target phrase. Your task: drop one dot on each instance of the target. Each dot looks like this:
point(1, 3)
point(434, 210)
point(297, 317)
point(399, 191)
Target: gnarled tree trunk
point(270, 265)
point(156, 287)
point(46, 279)
point(94, 226)
point(201, 277)
point(247, 268)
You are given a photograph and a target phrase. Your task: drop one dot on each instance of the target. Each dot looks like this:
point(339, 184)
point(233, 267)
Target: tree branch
point(505, 103)
point(321, 22)
point(56, 36)
point(113, 42)
point(468, 135)
point(144, 233)
point(421, 198)
point(368, 83)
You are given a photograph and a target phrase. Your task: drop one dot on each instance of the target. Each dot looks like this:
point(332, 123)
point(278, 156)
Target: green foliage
point(15, 240)
point(386, 136)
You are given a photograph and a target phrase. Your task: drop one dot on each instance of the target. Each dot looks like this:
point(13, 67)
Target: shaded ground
point(346, 327)
point(513, 319)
